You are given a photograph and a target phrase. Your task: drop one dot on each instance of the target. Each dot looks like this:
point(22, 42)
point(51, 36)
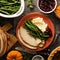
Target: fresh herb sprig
point(34, 30)
point(30, 5)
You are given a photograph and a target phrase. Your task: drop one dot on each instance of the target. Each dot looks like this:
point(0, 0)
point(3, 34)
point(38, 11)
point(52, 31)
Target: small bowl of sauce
point(46, 6)
point(37, 57)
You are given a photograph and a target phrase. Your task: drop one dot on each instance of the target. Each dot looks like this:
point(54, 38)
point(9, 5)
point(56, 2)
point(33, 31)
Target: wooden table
point(52, 16)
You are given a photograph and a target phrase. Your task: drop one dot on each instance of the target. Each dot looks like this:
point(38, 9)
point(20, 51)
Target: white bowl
point(44, 11)
point(18, 13)
point(37, 57)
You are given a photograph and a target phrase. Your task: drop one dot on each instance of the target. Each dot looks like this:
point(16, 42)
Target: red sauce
point(56, 56)
point(46, 5)
point(48, 32)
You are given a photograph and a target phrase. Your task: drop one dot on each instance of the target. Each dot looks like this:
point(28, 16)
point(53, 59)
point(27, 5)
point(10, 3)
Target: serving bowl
point(18, 13)
point(32, 16)
point(46, 8)
point(39, 57)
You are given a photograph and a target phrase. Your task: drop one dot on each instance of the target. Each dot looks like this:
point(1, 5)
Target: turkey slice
point(27, 39)
point(25, 44)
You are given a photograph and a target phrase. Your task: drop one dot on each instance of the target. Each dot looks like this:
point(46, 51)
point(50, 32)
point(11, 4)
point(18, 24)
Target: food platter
point(14, 44)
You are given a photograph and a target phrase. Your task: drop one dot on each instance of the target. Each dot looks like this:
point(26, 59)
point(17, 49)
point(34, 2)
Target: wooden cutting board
point(11, 39)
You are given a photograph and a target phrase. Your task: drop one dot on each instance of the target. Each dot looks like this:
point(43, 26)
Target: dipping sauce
point(46, 5)
point(56, 56)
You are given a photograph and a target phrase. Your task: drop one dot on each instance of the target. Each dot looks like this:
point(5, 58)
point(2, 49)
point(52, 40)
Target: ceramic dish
point(37, 57)
point(46, 20)
point(46, 8)
point(18, 13)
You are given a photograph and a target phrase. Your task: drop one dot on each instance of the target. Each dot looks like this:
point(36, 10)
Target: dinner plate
point(46, 20)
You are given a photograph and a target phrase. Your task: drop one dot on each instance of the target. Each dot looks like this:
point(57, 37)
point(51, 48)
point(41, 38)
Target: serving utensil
point(24, 50)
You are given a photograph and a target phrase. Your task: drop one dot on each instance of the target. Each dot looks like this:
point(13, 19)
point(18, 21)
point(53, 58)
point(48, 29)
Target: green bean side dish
point(9, 6)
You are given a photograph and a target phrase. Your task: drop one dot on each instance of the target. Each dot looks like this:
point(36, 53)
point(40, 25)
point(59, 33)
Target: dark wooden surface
point(15, 21)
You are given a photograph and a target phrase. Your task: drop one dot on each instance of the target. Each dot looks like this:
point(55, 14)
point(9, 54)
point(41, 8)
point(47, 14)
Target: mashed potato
point(39, 22)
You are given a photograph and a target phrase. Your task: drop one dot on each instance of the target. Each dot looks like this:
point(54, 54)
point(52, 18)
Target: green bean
point(12, 10)
point(34, 30)
point(9, 6)
point(30, 32)
point(4, 12)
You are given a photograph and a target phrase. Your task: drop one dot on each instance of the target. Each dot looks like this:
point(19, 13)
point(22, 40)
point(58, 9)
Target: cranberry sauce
point(46, 5)
point(48, 32)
